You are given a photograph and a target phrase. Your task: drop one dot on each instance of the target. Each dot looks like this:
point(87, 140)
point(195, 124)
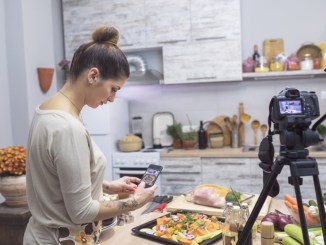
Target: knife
point(157, 201)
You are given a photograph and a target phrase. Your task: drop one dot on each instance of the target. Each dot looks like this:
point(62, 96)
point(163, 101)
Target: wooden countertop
point(227, 152)
point(123, 235)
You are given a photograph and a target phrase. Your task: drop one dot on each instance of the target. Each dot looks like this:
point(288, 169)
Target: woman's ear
point(93, 75)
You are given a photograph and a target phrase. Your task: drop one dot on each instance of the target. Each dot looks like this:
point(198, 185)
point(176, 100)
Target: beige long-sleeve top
point(64, 174)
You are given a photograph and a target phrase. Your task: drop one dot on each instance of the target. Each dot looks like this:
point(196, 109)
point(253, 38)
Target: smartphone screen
point(151, 175)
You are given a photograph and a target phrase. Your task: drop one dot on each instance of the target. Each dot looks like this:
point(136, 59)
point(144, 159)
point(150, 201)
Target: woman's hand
point(122, 185)
point(144, 195)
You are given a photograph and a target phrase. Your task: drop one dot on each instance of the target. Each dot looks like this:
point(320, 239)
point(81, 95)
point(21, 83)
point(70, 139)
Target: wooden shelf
point(283, 75)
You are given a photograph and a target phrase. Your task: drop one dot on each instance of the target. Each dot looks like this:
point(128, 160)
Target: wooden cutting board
point(212, 128)
point(272, 47)
point(181, 203)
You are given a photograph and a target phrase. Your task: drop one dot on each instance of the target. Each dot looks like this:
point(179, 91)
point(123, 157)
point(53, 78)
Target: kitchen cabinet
point(167, 21)
point(180, 175)
point(211, 19)
point(200, 39)
point(228, 172)
point(202, 61)
point(213, 52)
point(129, 17)
point(80, 18)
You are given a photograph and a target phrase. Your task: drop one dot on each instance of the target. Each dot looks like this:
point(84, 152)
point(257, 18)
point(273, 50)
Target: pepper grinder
point(267, 233)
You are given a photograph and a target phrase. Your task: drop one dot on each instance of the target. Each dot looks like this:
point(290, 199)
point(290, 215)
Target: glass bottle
point(244, 216)
point(228, 209)
point(230, 227)
point(256, 55)
point(202, 140)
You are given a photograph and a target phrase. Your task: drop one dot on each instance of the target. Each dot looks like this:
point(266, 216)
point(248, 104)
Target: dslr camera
point(292, 112)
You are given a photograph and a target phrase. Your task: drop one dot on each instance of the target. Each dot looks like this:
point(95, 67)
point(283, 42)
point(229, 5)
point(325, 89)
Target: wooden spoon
point(228, 123)
point(263, 129)
point(255, 124)
point(245, 118)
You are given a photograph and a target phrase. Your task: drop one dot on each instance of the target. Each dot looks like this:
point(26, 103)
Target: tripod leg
point(300, 207)
point(321, 206)
point(259, 204)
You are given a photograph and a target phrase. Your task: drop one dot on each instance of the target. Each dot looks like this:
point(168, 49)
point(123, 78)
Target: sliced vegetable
point(295, 232)
point(287, 240)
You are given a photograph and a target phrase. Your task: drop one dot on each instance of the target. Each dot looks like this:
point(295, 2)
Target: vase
point(177, 144)
point(189, 144)
point(45, 76)
point(13, 189)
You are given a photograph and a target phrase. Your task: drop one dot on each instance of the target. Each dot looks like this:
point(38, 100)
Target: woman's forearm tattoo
point(130, 203)
point(127, 204)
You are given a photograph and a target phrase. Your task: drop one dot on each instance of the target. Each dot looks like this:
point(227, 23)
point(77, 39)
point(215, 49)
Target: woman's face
point(102, 91)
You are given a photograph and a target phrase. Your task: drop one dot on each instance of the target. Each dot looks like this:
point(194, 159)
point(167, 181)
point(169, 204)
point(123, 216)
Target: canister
point(306, 62)
point(322, 46)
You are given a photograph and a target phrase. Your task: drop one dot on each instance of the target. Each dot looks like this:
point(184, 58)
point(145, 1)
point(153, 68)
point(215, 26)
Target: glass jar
point(276, 65)
point(306, 63)
point(323, 52)
point(262, 65)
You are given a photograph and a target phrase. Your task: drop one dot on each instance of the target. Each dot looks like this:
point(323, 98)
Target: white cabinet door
point(180, 175)
point(80, 18)
point(128, 16)
point(215, 19)
point(167, 21)
point(228, 172)
point(204, 61)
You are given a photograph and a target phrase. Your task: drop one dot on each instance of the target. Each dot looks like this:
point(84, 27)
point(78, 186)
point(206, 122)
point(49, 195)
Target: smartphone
point(151, 174)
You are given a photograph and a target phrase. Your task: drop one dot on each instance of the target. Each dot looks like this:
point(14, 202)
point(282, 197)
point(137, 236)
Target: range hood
point(145, 67)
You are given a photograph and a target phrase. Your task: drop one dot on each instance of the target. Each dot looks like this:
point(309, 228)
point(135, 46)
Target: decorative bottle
point(202, 140)
point(244, 216)
point(256, 55)
point(230, 227)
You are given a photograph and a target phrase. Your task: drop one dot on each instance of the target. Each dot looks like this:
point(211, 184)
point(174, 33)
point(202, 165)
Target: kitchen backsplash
point(206, 101)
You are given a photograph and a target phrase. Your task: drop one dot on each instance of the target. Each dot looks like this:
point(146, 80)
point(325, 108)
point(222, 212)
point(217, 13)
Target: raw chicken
point(208, 195)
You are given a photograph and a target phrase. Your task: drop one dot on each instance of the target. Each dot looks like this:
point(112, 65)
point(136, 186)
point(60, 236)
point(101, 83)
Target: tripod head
point(292, 113)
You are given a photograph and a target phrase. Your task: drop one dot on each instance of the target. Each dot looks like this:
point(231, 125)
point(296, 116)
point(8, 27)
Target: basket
point(129, 146)
point(216, 140)
point(130, 143)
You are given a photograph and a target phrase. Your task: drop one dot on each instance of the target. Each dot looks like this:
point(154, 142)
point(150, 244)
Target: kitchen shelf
point(283, 75)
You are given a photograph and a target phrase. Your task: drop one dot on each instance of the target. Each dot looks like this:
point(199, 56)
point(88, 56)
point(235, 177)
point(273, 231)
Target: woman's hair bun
point(105, 33)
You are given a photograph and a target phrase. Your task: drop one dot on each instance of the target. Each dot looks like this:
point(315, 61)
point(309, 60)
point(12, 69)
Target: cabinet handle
point(174, 41)
point(178, 166)
point(210, 38)
point(181, 180)
point(229, 163)
point(198, 78)
point(126, 45)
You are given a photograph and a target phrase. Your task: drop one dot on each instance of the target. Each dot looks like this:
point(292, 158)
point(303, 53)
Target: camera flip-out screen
point(288, 107)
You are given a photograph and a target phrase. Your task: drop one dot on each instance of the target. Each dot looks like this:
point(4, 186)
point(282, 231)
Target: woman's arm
point(109, 209)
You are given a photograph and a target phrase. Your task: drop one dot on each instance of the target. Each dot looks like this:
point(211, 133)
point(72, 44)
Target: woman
point(65, 168)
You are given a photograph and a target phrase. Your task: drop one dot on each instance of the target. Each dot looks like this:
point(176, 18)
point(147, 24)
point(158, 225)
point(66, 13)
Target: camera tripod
point(299, 167)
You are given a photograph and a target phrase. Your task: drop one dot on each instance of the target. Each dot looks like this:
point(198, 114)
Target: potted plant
point(12, 175)
point(189, 139)
point(175, 131)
